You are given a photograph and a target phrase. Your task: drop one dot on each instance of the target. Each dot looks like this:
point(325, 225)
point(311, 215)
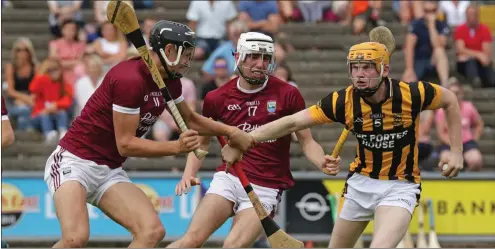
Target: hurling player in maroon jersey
point(86, 167)
point(248, 101)
point(7, 131)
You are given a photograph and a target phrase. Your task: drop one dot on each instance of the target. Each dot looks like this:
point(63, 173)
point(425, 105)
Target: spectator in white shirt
point(454, 11)
point(209, 19)
point(87, 84)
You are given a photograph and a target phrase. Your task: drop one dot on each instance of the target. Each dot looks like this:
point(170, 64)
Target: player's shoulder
point(128, 69)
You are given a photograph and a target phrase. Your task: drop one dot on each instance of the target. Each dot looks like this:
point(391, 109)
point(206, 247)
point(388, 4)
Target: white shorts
point(230, 187)
point(362, 195)
point(64, 166)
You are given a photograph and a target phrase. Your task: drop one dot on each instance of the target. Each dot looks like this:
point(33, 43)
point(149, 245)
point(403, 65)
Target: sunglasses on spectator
point(53, 69)
point(223, 65)
point(21, 49)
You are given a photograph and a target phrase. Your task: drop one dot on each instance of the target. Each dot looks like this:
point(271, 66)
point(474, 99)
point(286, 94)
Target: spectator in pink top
point(68, 49)
point(472, 128)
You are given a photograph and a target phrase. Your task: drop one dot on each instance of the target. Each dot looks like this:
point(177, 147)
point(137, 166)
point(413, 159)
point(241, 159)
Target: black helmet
point(168, 32)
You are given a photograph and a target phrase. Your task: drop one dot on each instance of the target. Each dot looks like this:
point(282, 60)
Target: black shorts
point(424, 150)
point(469, 145)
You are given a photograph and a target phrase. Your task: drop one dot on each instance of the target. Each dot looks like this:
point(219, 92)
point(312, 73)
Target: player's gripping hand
point(331, 166)
point(231, 155)
point(241, 140)
point(451, 166)
point(188, 141)
point(185, 184)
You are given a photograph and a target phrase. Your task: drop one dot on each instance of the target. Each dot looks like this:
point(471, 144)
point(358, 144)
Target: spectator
point(284, 73)
point(408, 10)
point(209, 19)
point(425, 146)
point(472, 128)
point(220, 76)
point(260, 16)
point(68, 49)
point(100, 10)
point(363, 12)
point(165, 128)
point(454, 11)
point(425, 47)
point(61, 11)
point(53, 98)
point(312, 11)
point(18, 75)
point(473, 42)
point(111, 47)
point(225, 50)
point(86, 85)
point(146, 27)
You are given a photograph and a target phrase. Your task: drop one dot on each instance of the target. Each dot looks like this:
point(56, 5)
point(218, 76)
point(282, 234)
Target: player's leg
point(128, 205)
point(472, 156)
point(246, 228)
point(69, 187)
point(349, 225)
point(394, 213)
point(213, 210)
point(211, 213)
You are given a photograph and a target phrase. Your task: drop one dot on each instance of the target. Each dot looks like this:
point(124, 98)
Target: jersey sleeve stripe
point(179, 99)
point(436, 96)
point(340, 106)
point(5, 117)
point(125, 110)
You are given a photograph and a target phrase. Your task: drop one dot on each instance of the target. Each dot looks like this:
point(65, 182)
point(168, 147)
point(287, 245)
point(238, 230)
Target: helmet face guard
point(256, 46)
point(179, 35)
point(369, 55)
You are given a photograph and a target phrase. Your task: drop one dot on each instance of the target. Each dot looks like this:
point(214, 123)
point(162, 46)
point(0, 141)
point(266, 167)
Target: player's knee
point(75, 239)
point(231, 242)
point(151, 233)
point(474, 163)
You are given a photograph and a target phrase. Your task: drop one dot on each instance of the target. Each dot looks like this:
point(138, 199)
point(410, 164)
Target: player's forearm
point(283, 126)
point(314, 152)
point(7, 134)
point(453, 119)
point(208, 127)
point(139, 147)
point(193, 164)
point(409, 57)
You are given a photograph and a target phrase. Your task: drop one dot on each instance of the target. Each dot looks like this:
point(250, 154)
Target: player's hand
point(241, 140)
point(231, 155)
point(185, 184)
point(188, 141)
point(453, 165)
point(331, 166)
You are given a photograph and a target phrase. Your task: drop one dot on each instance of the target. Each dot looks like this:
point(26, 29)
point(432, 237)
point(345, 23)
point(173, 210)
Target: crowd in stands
point(45, 96)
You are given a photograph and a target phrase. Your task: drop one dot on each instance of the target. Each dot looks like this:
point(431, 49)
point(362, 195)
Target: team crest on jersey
point(398, 119)
point(271, 106)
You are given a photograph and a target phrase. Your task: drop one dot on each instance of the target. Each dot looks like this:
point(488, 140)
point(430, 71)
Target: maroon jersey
point(4, 111)
point(127, 88)
point(268, 164)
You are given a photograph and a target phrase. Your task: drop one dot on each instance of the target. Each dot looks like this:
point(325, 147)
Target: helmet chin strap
point(165, 62)
point(251, 81)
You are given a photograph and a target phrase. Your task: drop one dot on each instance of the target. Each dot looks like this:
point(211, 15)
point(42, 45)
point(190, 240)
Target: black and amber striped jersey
point(387, 132)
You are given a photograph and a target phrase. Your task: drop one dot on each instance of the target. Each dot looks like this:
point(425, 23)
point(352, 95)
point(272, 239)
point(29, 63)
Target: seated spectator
point(86, 85)
point(209, 19)
point(364, 12)
point(18, 75)
point(61, 11)
point(284, 73)
point(165, 128)
point(425, 146)
point(220, 76)
point(53, 98)
point(260, 16)
point(473, 42)
point(472, 129)
point(68, 49)
point(425, 47)
point(225, 50)
point(312, 11)
point(111, 47)
point(454, 11)
point(100, 10)
point(407, 11)
point(146, 27)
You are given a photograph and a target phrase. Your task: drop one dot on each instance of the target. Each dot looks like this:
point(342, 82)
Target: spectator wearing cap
point(473, 42)
point(209, 19)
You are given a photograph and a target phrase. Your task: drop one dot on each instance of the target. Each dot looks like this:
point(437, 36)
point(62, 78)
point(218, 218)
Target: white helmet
point(255, 43)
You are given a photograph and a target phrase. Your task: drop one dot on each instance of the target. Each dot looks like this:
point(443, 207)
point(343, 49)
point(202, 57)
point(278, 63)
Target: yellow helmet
point(369, 51)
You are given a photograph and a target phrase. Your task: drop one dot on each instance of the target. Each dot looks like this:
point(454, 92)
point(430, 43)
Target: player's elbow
point(8, 139)
point(124, 146)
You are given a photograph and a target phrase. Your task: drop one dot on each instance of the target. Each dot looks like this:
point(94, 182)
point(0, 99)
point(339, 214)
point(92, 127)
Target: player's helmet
point(255, 43)
point(368, 52)
point(168, 32)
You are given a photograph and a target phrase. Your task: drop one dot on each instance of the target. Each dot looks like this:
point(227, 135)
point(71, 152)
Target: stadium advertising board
point(461, 207)
point(28, 210)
